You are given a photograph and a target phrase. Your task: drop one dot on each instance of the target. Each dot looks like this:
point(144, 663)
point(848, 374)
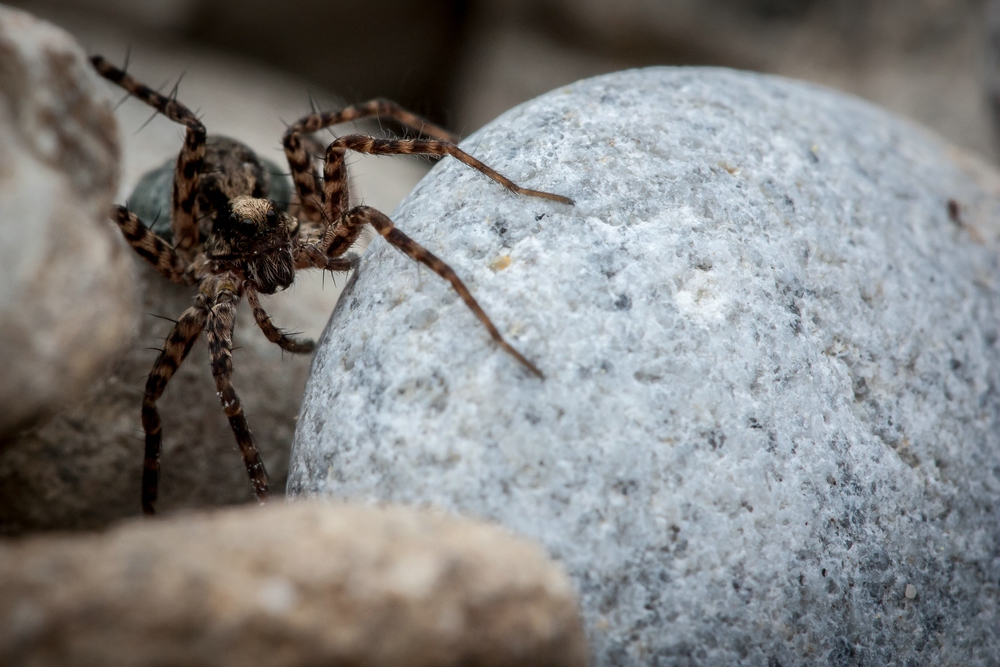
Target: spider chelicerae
point(229, 238)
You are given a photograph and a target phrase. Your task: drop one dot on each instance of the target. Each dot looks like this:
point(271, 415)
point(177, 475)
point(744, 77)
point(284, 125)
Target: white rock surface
point(67, 304)
point(771, 401)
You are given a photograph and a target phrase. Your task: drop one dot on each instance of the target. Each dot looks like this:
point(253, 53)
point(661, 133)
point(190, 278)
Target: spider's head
point(256, 236)
point(249, 227)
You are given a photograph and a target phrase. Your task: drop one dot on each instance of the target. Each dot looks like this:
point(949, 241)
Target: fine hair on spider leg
point(232, 236)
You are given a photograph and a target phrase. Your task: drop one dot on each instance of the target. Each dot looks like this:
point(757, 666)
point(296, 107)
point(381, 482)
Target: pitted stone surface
point(768, 432)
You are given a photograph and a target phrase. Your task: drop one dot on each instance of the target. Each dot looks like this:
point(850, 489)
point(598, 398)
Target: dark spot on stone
point(860, 389)
point(955, 212)
point(716, 440)
point(623, 302)
point(626, 486)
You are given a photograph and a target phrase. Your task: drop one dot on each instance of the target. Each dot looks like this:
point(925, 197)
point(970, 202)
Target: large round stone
point(769, 432)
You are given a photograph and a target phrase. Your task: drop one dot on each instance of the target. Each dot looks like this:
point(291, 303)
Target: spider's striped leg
point(271, 332)
point(151, 247)
point(360, 216)
point(221, 319)
point(304, 175)
point(363, 143)
point(175, 349)
point(192, 156)
point(310, 255)
point(324, 247)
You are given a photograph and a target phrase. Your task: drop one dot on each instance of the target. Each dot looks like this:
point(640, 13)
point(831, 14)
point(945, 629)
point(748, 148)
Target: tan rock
point(300, 584)
point(67, 303)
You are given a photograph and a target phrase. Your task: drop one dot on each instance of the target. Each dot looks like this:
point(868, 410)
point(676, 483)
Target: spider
point(232, 241)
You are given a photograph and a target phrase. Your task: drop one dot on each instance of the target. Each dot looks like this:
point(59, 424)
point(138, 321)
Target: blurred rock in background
point(462, 62)
point(920, 58)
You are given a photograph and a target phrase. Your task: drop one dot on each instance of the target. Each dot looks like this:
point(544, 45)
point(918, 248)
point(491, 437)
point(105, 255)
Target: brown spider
point(231, 241)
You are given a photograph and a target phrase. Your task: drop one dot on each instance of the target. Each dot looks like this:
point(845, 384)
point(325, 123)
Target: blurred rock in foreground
point(301, 584)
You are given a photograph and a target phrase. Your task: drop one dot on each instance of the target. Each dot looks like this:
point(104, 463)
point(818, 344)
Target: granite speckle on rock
point(305, 584)
point(768, 432)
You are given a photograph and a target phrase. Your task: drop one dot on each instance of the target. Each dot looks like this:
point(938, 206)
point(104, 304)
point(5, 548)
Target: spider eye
point(272, 217)
point(247, 223)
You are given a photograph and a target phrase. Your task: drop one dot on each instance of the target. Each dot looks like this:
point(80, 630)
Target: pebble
point(67, 300)
point(300, 584)
point(769, 333)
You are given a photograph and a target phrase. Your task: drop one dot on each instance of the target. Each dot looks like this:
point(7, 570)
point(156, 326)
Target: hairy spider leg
point(363, 143)
point(365, 215)
point(151, 247)
point(300, 160)
point(309, 254)
point(175, 349)
point(224, 290)
point(190, 161)
point(347, 226)
point(271, 332)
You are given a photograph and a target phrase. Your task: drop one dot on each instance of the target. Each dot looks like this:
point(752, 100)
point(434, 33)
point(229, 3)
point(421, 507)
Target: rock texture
point(288, 585)
point(66, 297)
point(770, 428)
point(81, 469)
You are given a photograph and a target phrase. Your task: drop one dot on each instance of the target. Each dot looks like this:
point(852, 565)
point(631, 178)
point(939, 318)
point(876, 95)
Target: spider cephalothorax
point(229, 233)
point(253, 238)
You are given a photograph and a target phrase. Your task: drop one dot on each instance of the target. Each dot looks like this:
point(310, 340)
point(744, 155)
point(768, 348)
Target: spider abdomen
point(152, 197)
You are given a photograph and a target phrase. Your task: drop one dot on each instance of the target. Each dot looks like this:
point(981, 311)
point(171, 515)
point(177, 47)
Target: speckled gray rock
point(305, 584)
point(67, 304)
point(770, 428)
